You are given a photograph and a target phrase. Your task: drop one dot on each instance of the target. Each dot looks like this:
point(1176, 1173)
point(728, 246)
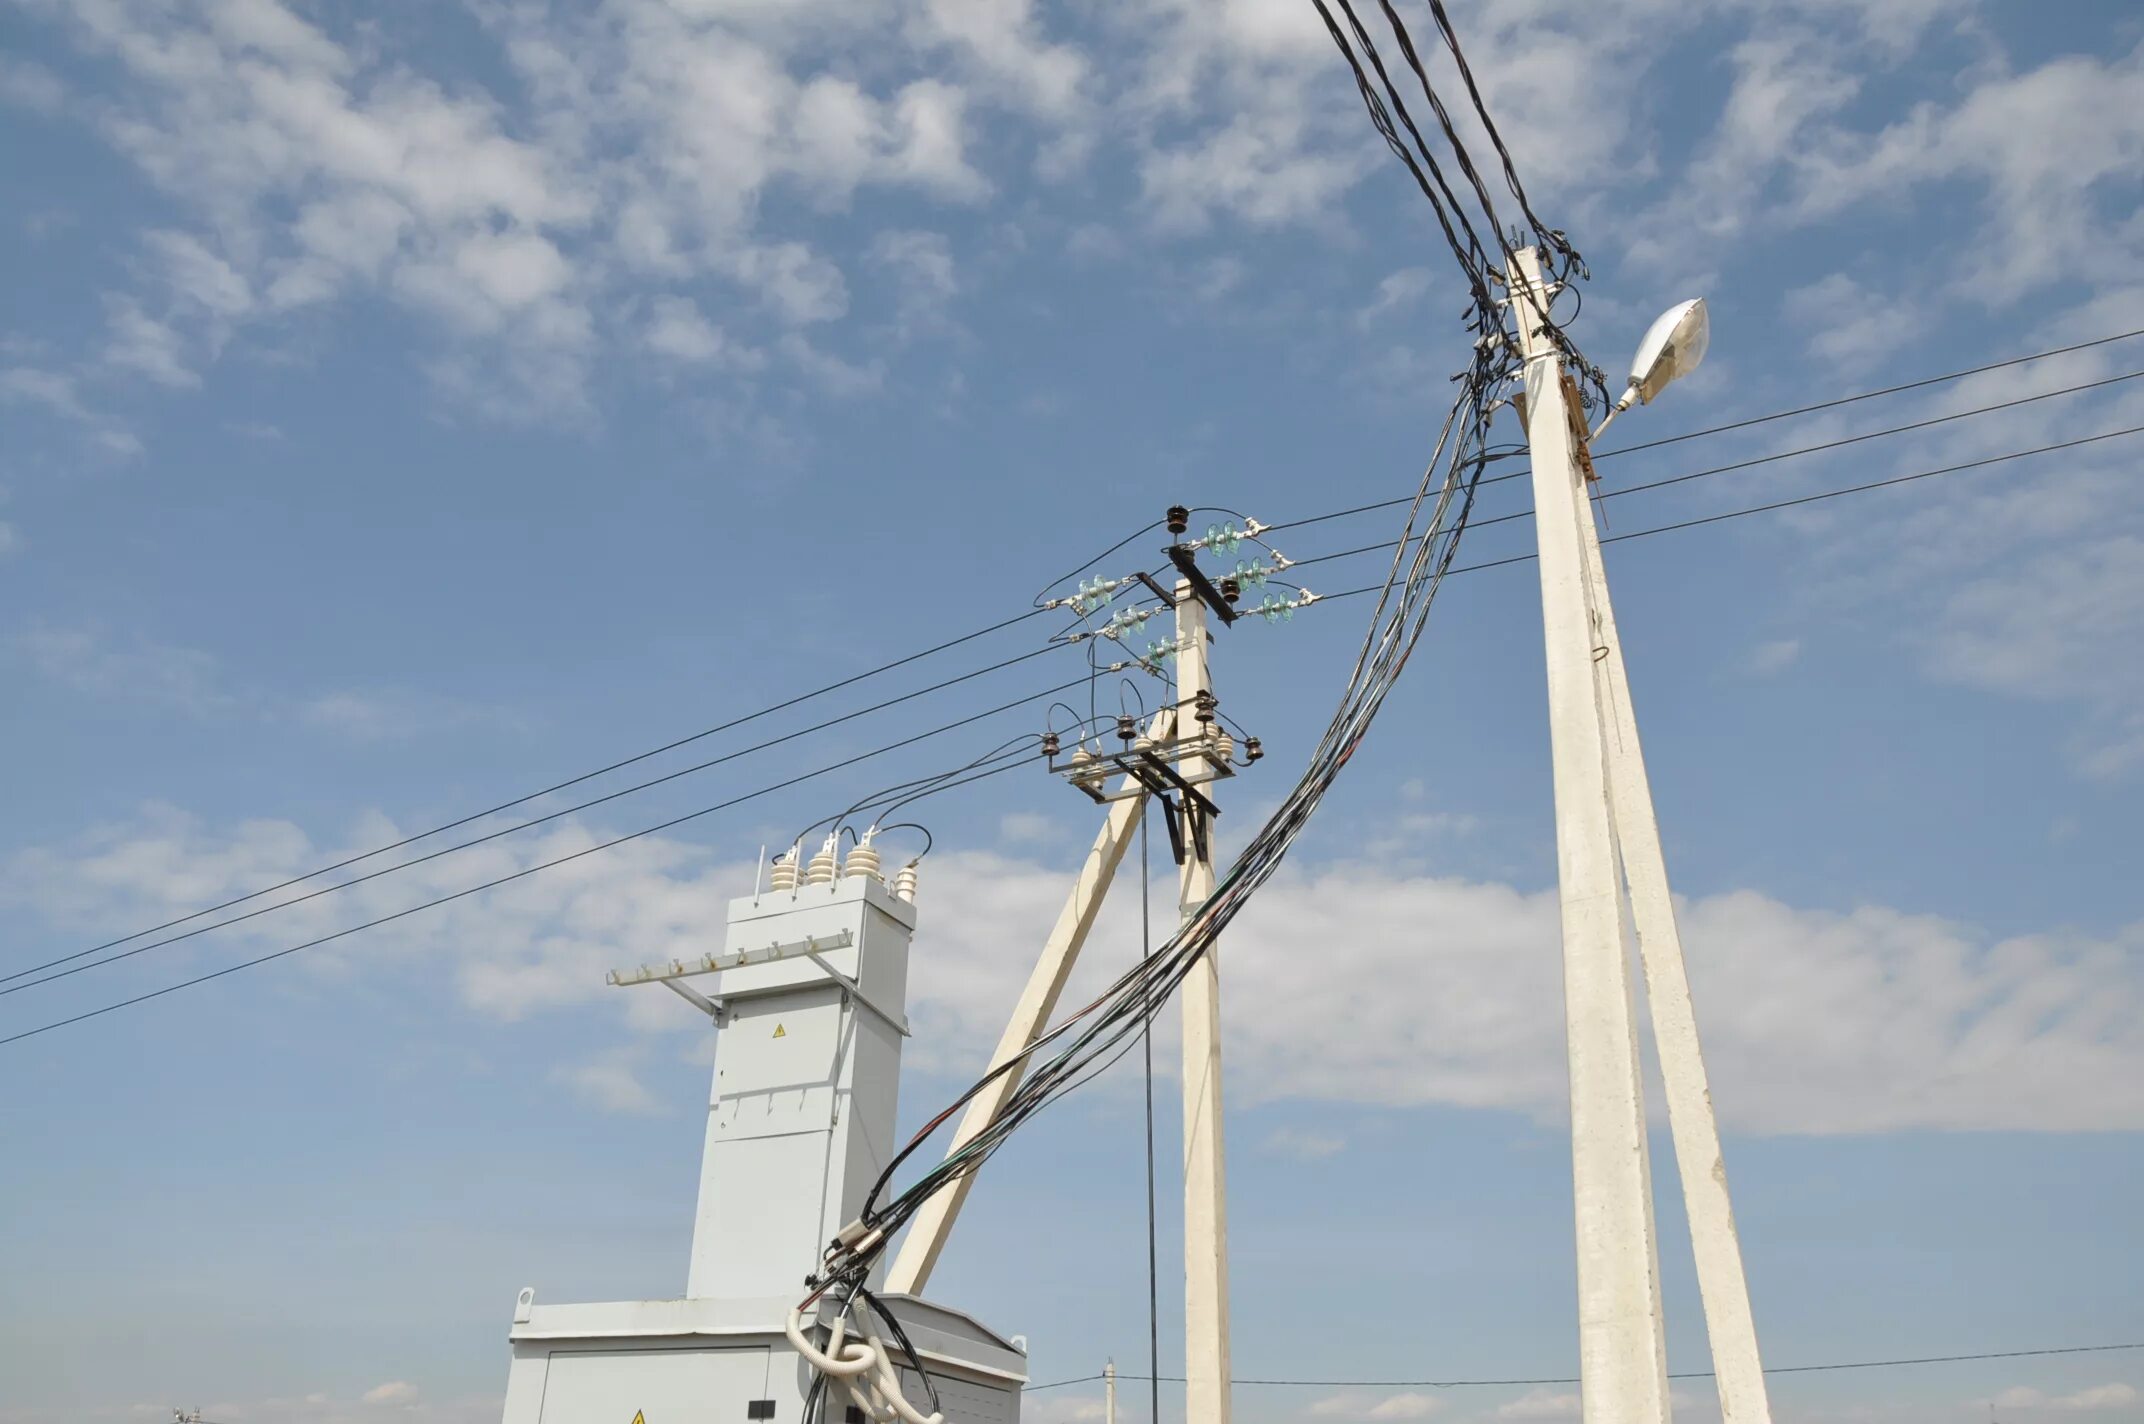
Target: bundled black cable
point(1088, 1041)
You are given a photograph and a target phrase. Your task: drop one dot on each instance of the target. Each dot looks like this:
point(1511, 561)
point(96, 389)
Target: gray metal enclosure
point(809, 996)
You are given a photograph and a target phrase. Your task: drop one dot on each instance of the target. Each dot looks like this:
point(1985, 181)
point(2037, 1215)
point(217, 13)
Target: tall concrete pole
point(1206, 1362)
point(1622, 1349)
point(933, 1224)
point(1729, 1325)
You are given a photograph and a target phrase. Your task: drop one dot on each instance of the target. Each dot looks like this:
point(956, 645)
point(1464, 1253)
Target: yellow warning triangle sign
point(639, 1418)
point(779, 1032)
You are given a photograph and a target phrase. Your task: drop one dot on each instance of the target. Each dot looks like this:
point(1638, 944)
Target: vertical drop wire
point(1146, 1044)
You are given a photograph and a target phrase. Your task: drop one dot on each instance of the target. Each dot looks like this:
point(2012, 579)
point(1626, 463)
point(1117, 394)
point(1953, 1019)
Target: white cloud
point(1850, 326)
point(2044, 148)
point(608, 1082)
point(1540, 1403)
point(921, 265)
point(1816, 1022)
point(31, 86)
point(1308, 1146)
point(1775, 656)
point(677, 329)
point(1358, 1406)
point(10, 538)
point(392, 1392)
point(135, 669)
point(1397, 292)
point(54, 390)
point(2117, 1395)
point(146, 346)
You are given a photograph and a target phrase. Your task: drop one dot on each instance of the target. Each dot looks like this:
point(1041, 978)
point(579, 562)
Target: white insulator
point(1223, 746)
point(862, 862)
point(821, 869)
point(1086, 767)
point(1143, 744)
point(904, 883)
point(783, 875)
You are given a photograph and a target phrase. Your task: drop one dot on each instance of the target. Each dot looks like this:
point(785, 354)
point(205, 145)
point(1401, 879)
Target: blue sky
point(408, 406)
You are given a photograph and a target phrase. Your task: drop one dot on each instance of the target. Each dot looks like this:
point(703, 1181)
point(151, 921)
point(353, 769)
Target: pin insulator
point(1127, 729)
point(1049, 744)
point(1252, 751)
point(1179, 519)
point(1231, 588)
point(1203, 703)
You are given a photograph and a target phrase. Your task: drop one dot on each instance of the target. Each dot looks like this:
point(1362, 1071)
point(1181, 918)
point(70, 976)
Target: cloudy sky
point(410, 406)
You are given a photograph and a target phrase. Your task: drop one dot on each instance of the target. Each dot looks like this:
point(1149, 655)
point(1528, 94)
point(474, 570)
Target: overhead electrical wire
point(1729, 468)
point(540, 867)
point(558, 786)
point(1573, 1379)
point(1780, 415)
point(1000, 625)
point(503, 831)
point(1773, 506)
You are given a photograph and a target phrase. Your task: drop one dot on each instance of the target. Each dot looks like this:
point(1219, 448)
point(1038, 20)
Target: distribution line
point(636, 758)
point(1748, 464)
point(1762, 508)
point(1002, 624)
point(1755, 420)
point(527, 871)
point(506, 830)
point(1573, 1379)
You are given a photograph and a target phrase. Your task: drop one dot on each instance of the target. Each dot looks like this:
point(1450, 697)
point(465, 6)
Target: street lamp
point(1673, 346)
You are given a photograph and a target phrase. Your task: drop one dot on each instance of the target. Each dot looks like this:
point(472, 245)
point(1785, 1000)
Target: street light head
point(1672, 348)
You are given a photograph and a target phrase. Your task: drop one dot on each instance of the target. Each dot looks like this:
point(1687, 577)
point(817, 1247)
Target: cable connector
point(857, 1238)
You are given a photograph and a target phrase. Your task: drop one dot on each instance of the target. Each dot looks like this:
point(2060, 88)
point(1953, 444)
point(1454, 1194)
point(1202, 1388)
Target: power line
point(546, 791)
point(507, 830)
point(1573, 1379)
point(1744, 464)
point(1763, 508)
point(1755, 420)
point(527, 871)
point(1002, 624)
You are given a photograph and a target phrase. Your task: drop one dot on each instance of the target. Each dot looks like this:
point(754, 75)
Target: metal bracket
point(716, 963)
point(855, 992)
point(715, 1009)
point(1186, 560)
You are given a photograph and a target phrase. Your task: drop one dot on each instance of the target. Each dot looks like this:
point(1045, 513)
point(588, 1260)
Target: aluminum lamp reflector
point(1672, 348)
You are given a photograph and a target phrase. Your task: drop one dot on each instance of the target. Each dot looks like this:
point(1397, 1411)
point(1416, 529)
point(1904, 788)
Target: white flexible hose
point(837, 1365)
point(889, 1385)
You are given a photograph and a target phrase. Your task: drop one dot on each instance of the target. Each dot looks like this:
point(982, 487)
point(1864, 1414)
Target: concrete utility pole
point(933, 1224)
point(1729, 1325)
point(1622, 1349)
point(1607, 835)
point(1109, 1393)
point(1206, 1362)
